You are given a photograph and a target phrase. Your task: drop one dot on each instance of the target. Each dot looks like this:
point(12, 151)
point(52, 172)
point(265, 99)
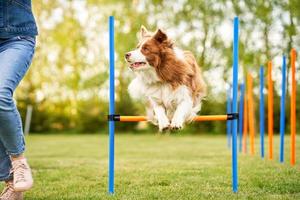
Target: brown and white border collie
point(168, 78)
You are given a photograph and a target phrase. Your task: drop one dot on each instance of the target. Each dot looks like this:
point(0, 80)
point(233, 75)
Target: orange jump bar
point(230, 116)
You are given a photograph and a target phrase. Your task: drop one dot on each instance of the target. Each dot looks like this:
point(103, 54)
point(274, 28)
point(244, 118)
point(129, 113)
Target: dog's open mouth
point(137, 64)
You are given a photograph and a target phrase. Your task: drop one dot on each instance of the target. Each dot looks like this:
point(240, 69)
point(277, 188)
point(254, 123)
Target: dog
point(168, 78)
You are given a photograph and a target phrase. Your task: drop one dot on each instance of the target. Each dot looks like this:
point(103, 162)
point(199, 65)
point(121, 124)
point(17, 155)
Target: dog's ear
point(160, 36)
point(143, 31)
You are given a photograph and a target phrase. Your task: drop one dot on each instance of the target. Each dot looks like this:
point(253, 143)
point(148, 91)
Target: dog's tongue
point(136, 64)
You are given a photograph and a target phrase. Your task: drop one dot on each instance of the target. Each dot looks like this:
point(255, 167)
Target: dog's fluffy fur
point(168, 78)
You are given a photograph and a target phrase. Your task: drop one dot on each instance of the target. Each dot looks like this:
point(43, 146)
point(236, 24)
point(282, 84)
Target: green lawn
point(154, 167)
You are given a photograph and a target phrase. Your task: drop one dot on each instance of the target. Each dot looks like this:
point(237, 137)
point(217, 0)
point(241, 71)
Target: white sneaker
point(22, 175)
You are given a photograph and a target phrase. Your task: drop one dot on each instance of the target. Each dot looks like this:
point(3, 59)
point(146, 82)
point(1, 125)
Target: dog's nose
point(127, 55)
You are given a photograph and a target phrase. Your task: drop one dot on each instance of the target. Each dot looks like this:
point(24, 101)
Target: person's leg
point(15, 58)
point(8, 192)
point(5, 164)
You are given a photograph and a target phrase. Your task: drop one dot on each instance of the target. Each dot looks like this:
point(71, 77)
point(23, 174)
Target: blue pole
point(111, 166)
point(229, 130)
point(241, 115)
point(235, 104)
point(262, 113)
point(282, 109)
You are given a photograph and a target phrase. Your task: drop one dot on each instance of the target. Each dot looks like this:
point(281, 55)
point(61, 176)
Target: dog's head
point(150, 50)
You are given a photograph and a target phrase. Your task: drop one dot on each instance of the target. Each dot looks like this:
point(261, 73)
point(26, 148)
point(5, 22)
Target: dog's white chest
point(147, 86)
point(161, 93)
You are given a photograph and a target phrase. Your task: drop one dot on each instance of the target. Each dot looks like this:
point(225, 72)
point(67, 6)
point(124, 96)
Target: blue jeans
point(15, 58)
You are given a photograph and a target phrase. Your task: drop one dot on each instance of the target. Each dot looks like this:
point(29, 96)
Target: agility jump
point(112, 117)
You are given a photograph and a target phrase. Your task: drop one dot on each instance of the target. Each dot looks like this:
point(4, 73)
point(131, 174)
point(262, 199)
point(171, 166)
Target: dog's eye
point(145, 48)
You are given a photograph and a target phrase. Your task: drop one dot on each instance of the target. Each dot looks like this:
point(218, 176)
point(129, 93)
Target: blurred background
point(67, 85)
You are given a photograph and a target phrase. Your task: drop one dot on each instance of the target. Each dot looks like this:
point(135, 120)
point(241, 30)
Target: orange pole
point(270, 110)
point(197, 118)
point(133, 118)
point(293, 108)
point(245, 128)
point(251, 112)
point(210, 118)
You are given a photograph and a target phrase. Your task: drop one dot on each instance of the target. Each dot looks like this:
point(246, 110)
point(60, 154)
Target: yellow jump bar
point(226, 117)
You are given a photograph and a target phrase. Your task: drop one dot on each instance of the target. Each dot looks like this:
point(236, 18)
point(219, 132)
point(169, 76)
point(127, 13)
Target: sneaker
point(22, 175)
point(9, 193)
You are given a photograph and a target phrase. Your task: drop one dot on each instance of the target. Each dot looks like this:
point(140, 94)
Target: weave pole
point(251, 113)
point(282, 109)
point(245, 124)
point(111, 123)
point(241, 115)
point(293, 108)
point(235, 103)
point(262, 113)
point(228, 123)
point(270, 110)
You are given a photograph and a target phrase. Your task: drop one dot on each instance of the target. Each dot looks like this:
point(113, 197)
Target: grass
point(154, 167)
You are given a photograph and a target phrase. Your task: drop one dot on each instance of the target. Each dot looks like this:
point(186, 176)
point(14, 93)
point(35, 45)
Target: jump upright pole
point(262, 113)
point(235, 104)
point(111, 123)
point(282, 109)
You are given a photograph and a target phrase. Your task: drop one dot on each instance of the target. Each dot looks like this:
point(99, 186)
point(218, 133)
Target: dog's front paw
point(177, 124)
point(163, 124)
